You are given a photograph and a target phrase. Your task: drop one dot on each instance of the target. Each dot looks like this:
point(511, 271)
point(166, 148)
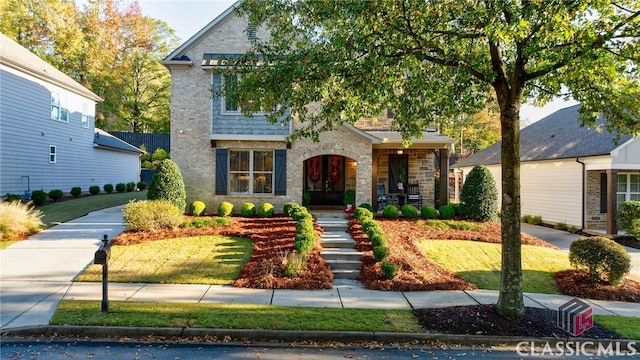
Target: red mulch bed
point(273, 239)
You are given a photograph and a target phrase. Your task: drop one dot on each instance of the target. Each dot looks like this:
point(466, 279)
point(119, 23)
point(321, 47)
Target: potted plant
point(349, 200)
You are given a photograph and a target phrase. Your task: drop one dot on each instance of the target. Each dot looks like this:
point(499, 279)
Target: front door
point(324, 179)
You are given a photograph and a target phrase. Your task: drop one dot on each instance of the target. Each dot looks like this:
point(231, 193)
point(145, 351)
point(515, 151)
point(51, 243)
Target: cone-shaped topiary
point(479, 196)
point(167, 184)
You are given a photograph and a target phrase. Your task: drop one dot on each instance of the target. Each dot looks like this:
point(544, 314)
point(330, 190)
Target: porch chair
point(413, 195)
point(383, 198)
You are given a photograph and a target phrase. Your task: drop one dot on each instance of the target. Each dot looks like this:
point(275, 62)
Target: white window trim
point(53, 154)
point(84, 120)
point(60, 104)
point(251, 171)
point(627, 192)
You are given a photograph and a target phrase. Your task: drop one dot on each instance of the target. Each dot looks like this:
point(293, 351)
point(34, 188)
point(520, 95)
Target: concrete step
point(341, 254)
point(329, 224)
point(346, 274)
point(337, 243)
point(344, 264)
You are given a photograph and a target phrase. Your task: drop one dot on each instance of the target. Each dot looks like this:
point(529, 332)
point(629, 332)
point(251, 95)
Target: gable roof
point(557, 136)
point(105, 140)
point(17, 57)
point(178, 57)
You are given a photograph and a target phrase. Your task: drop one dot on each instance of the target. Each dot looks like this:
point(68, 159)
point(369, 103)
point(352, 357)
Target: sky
point(187, 17)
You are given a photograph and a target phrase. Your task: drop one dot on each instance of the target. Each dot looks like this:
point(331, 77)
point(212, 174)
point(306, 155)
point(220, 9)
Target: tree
point(479, 196)
point(432, 60)
point(167, 184)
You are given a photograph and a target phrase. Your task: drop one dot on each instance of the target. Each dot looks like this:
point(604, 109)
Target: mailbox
point(102, 256)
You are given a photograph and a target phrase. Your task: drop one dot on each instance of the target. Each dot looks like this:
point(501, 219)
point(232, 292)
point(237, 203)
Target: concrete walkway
point(37, 273)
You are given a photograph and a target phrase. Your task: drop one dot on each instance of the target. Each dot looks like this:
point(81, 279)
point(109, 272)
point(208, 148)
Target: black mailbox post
point(101, 257)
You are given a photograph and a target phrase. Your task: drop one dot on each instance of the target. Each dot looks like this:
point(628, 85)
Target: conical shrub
point(479, 196)
point(167, 184)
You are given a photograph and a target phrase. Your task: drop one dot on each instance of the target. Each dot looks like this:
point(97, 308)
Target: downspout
point(584, 191)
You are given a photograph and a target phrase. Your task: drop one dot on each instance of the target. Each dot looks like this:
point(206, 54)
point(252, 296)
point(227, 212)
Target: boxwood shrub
point(121, 187)
point(602, 258)
point(390, 212)
point(447, 212)
point(361, 213)
point(131, 186)
point(108, 188)
point(55, 194)
point(266, 210)
point(429, 212)
point(197, 208)
point(94, 189)
point(366, 206)
point(225, 209)
point(409, 211)
point(39, 197)
point(248, 209)
point(76, 191)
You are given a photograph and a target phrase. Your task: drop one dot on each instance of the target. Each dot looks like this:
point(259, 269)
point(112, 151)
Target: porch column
point(612, 184)
point(444, 177)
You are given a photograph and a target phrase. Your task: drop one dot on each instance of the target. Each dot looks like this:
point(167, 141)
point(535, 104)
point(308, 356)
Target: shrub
point(142, 185)
point(55, 194)
point(247, 209)
point(225, 209)
point(536, 220)
point(13, 197)
point(409, 211)
point(374, 230)
point(447, 212)
point(76, 191)
point(561, 226)
point(429, 212)
point(108, 188)
point(288, 207)
point(159, 154)
point(390, 212)
point(526, 219)
point(381, 253)
point(121, 187)
point(39, 197)
point(456, 209)
point(389, 270)
point(94, 189)
point(300, 213)
point(146, 164)
point(479, 196)
point(305, 236)
point(378, 239)
point(452, 225)
point(131, 186)
point(366, 206)
point(149, 215)
point(296, 265)
point(17, 219)
point(628, 217)
point(197, 208)
point(361, 213)
point(600, 256)
point(167, 184)
point(206, 222)
point(366, 224)
point(266, 210)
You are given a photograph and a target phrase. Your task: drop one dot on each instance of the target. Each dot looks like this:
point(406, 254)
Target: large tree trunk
point(511, 302)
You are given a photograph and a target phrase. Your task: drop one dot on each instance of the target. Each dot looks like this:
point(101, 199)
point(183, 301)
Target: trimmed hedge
point(94, 189)
point(248, 209)
point(108, 188)
point(390, 212)
point(628, 217)
point(409, 211)
point(167, 184)
point(602, 257)
point(197, 208)
point(479, 196)
point(266, 210)
point(429, 212)
point(39, 197)
point(361, 213)
point(225, 209)
point(76, 191)
point(55, 194)
point(447, 212)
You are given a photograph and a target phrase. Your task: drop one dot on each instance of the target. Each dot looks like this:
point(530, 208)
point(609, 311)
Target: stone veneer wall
point(421, 170)
point(594, 218)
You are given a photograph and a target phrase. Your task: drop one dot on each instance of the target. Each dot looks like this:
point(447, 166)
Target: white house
point(570, 174)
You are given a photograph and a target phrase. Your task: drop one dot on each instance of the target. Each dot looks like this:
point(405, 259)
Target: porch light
point(400, 152)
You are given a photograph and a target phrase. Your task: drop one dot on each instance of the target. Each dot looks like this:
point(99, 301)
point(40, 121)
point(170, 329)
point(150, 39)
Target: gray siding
point(240, 124)
point(26, 132)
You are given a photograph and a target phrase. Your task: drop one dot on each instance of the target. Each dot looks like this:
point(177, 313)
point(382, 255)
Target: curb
point(290, 336)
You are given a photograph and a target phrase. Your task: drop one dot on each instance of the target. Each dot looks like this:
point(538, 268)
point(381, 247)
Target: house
point(570, 174)
point(47, 135)
point(225, 156)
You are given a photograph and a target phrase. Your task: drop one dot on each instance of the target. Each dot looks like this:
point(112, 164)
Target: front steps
point(338, 248)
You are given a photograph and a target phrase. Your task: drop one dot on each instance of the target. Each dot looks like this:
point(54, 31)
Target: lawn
point(233, 316)
point(480, 263)
point(63, 211)
point(212, 260)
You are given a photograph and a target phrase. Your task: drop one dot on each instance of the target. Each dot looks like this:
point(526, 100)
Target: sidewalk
point(37, 273)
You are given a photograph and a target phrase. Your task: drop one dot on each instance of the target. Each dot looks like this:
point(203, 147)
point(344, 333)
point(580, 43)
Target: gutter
point(584, 191)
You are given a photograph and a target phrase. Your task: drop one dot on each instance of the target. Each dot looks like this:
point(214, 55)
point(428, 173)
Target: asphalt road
point(42, 348)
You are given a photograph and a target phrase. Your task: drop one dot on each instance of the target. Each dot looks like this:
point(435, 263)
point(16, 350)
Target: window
point(251, 171)
point(58, 111)
point(628, 188)
point(231, 101)
point(52, 154)
point(85, 118)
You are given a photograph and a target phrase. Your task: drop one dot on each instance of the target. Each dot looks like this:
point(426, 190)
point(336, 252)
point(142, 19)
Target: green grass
point(215, 260)
point(450, 225)
point(626, 327)
point(5, 244)
point(64, 211)
point(233, 316)
point(480, 263)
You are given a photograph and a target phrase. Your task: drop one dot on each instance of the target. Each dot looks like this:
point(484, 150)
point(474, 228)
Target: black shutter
point(603, 193)
point(221, 171)
point(280, 172)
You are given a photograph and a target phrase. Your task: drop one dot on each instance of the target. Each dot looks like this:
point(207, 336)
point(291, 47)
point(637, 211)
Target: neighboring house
point(570, 174)
point(225, 156)
point(47, 135)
